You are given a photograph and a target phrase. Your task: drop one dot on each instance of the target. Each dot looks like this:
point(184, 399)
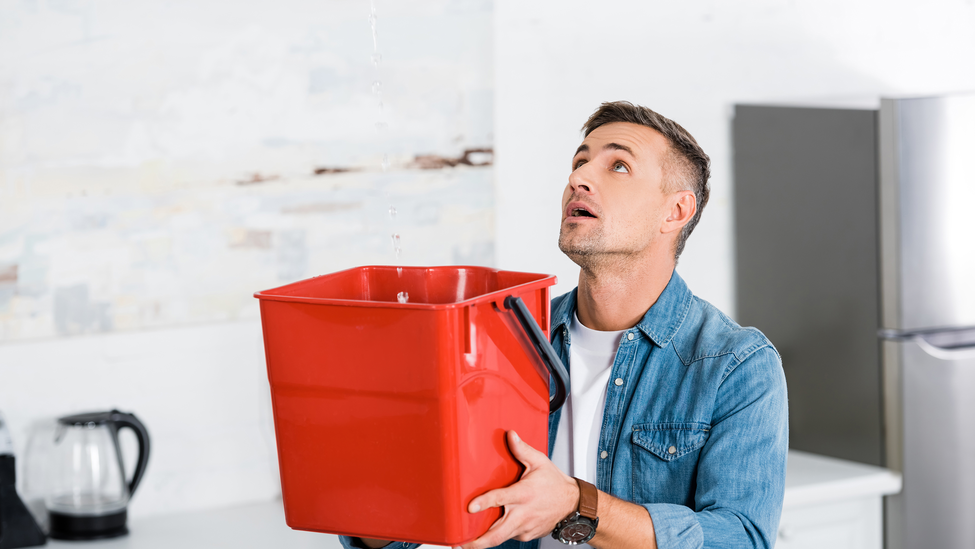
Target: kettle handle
point(544, 348)
point(122, 419)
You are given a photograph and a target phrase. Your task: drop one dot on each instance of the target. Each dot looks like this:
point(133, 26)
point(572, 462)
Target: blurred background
point(162, 161)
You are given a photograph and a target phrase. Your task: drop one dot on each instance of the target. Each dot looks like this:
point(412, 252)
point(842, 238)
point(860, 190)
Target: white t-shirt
point(576, 451)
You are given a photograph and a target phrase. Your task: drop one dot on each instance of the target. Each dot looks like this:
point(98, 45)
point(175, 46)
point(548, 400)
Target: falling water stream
point(381, 127)
point(377, 84)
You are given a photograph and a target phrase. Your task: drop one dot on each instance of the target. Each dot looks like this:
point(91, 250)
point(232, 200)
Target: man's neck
point(616, 296)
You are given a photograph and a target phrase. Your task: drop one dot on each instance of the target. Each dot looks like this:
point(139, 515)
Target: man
point(676, 414)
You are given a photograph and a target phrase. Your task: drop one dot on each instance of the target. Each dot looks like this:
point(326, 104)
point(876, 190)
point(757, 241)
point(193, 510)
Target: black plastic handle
point(121, 419)
point(544, 348)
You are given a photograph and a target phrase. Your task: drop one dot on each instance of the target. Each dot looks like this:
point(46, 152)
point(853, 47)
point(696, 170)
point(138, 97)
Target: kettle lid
point(97, 418)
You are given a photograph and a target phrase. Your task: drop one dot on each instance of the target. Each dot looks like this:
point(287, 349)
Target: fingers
point(523, 451)
point(494, 498)
point(496, 535)
point(529, 504)
point(505, 528)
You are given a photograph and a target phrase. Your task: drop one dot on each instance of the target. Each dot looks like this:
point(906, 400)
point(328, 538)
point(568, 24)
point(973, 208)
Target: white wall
point(158, 166)
point(555, 61)
point(161, 161)
point(200, 390)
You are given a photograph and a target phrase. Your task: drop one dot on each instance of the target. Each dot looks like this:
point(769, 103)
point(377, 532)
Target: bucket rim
point(543, 280)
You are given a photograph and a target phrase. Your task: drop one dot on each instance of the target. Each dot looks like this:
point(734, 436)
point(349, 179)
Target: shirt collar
point(660, 323)
point(562, 313)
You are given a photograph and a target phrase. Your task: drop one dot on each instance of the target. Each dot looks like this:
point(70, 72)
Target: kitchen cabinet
point(833, 503)
point(828, 503)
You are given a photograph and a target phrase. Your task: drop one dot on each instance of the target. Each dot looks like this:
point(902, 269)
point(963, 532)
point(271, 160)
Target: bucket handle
point(544, 348)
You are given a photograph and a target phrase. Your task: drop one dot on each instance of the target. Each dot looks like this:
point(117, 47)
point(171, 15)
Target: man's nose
point(579, 180)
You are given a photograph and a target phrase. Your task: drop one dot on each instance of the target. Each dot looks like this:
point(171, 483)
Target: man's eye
point(620, 167)
point(577, 164)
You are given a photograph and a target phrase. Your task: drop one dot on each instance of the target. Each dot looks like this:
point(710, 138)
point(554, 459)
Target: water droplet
point(380, 106)
point(392, 212)
point(377, 58)
point(381, 126)
point(402, 297)
point(386, 165)
point(399, 271)
point(377, 87)
point(396, 243)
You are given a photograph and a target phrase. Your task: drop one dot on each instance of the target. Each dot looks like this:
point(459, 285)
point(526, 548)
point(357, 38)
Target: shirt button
point(619, 381)
point(604, 454)
point(629, 336)
point(672, 450)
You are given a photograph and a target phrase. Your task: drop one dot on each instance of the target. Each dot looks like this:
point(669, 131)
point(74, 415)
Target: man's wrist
point(576, 499)
point(580, 525)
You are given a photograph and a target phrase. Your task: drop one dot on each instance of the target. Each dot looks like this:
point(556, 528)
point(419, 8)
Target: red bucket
point(390, 417)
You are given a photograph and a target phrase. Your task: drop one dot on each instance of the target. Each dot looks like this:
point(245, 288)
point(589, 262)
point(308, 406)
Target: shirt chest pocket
point(665, 459)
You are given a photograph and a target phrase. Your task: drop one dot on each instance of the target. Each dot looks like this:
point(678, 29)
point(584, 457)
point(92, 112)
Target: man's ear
point(683, 205)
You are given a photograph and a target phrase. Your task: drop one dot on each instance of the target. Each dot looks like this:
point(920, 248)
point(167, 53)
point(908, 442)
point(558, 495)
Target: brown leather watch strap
point(588, 498)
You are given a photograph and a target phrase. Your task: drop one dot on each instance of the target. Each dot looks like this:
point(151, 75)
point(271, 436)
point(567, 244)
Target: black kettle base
point(88, 527)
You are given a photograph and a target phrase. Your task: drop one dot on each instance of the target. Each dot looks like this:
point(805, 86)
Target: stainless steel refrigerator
point(855, 237)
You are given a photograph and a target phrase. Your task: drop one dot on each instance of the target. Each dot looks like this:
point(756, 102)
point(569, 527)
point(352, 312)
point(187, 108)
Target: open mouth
point(578, 209)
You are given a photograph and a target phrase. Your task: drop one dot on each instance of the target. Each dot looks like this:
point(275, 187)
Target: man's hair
point(687, 167)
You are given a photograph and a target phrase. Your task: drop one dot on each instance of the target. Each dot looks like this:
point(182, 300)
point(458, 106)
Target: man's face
point(614, 203)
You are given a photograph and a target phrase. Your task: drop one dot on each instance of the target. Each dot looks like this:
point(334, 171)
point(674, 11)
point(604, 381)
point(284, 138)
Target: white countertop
point(810, 479)
point(252, 526)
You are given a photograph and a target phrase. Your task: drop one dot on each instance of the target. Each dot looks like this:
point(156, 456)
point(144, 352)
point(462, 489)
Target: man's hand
point(532, 506)
point(374, 543)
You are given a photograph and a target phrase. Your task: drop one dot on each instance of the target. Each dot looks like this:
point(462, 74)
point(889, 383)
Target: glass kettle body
point(87, 493)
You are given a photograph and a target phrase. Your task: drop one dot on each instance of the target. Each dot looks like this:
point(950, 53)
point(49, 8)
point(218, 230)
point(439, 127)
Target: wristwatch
point(580, 526)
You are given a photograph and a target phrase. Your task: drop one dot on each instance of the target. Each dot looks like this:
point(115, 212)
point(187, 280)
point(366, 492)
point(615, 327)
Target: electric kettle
point(80, 464)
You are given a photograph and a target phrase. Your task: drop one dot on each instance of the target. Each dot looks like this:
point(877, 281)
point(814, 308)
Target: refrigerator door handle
point(944, 353)
point(953, 344)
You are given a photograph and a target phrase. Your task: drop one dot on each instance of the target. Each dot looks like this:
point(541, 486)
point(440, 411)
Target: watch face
point(575, 533)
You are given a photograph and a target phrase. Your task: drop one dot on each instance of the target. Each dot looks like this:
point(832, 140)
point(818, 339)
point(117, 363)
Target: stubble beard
point(594, 254)
point(583, 250)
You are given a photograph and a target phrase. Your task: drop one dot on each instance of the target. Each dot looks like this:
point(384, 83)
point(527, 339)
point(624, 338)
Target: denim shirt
point(695, 427)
